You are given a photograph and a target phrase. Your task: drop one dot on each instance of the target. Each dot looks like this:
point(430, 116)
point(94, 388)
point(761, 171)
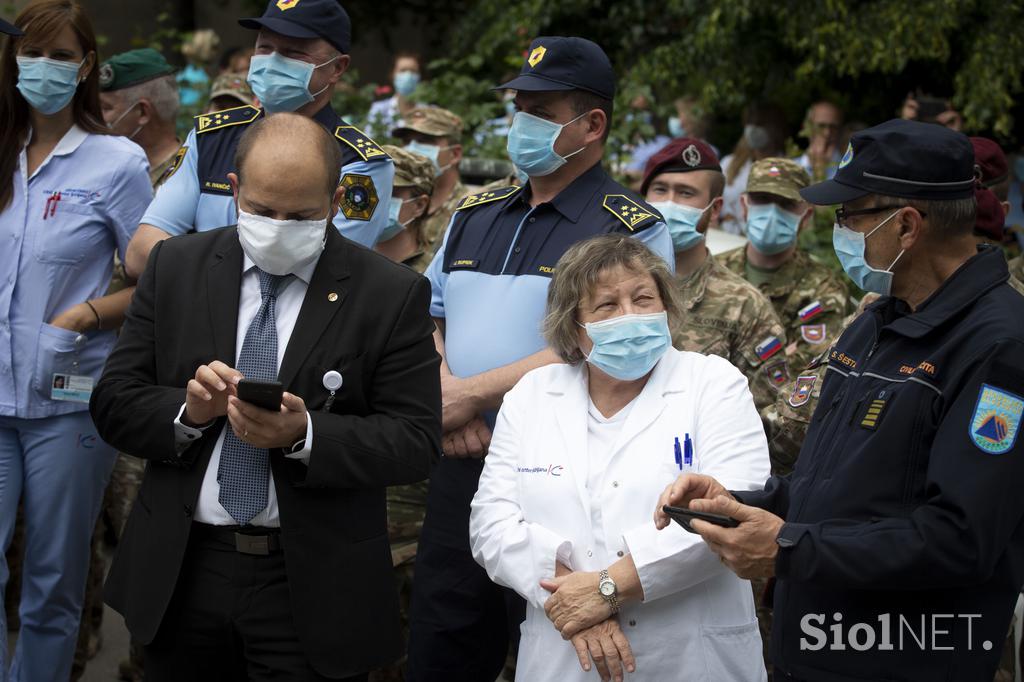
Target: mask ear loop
point(563, 126)
point(321, 90)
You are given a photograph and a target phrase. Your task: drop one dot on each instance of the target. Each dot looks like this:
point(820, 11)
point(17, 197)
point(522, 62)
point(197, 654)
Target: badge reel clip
point(332, 382)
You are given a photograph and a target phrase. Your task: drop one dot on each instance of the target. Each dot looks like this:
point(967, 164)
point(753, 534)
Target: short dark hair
point(295, 126)
point(947, 217)
point(717, 184)
point(583, 101)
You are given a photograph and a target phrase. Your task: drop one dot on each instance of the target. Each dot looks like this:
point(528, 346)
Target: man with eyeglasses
point(823, 127)
point(810, 299)
point(897, 544)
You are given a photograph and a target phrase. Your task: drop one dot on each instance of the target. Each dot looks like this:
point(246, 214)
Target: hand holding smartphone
point(264, 394)
point(684, 516)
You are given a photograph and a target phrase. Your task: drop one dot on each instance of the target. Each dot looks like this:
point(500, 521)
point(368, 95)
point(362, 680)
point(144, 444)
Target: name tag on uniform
point(71, 387)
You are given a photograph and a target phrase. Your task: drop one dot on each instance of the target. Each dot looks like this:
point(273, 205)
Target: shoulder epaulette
point(367, 149)
point(216, 120)
point(487, 197)
point(632, 214)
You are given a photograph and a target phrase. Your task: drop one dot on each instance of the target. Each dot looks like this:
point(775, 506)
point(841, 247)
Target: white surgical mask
point(280, 247)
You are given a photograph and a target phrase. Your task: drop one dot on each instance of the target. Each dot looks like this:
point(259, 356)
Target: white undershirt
point(286, 312)
point(602, 437)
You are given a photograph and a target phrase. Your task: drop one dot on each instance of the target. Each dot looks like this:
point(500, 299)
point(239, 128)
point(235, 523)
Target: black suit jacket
point(383, 429)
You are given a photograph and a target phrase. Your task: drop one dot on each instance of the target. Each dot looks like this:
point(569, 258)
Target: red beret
point(990, 219)
point(680, 156)
point(990, 163)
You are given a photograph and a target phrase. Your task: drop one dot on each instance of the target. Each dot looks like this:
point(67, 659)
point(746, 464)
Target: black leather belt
point(245, 539)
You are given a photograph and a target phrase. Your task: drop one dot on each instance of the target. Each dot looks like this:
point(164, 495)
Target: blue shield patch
point(996, 420)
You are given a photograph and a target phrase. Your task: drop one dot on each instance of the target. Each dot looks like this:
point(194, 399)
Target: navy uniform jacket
point(906, 505)
point(489, 283)
point(195, 195)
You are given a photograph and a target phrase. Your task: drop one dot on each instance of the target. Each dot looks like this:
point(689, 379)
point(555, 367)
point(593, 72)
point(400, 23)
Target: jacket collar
point(982, 272)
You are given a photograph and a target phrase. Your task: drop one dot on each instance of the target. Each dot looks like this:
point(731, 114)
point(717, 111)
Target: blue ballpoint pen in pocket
point(683, 453)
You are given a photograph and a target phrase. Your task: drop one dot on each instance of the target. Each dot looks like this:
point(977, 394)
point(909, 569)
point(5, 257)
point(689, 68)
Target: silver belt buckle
point(252, 544)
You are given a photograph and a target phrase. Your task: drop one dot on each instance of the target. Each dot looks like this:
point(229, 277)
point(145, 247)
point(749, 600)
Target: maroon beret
point(990, 219)
point(990, 163)
point(680, 156)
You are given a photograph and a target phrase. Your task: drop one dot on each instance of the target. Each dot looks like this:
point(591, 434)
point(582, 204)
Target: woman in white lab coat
point(579, 454)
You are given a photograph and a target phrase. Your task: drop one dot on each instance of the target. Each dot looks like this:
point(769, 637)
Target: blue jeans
point(60, 467)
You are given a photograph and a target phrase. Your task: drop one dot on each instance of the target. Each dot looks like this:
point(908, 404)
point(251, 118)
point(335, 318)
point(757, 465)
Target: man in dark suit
point(257, 548)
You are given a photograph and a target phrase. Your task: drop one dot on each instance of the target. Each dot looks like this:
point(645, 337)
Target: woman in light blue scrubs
point(70, 195)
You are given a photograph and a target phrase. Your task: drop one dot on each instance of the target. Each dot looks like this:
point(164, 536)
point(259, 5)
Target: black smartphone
point(683, 517)
point(265, 394)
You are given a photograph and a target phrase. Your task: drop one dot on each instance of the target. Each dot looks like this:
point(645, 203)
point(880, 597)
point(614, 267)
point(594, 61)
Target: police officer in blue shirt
point(897, 544)
point(301, 53)
point(490, 281)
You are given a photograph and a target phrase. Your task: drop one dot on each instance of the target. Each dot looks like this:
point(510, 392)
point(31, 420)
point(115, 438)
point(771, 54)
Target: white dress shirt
point(289, 302)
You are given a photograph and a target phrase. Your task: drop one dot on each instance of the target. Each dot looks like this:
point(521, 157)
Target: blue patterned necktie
point(244, 471)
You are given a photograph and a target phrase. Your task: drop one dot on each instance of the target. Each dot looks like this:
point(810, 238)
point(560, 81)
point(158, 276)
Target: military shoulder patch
point(802, 391)
point(777, 372)
point(996, 420)
point(487, 197)
point(810, 311)
point(173, 168)
point(360, 196)
point(632, 214)
point(767, 348)
point(207, 123)
point(367, 149)
point(813, 333)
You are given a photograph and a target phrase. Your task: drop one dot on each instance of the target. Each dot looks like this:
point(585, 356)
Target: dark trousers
point(460, 623)
point(229, 619)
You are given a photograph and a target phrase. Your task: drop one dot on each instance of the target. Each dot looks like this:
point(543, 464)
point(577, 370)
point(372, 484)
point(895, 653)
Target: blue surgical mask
point(850, 248)
point(47, 84)
point(531, 144)
point(770, 228)
point(281, 83)
point(756, 136)
point(430, 151)
point(394, 226)
point(629, 346)
point(682, 223)
point(675, 127)
point(1018, 168)
point(405, 82)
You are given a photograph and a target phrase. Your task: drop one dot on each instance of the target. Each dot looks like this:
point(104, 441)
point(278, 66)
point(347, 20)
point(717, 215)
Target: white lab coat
point(697, 620)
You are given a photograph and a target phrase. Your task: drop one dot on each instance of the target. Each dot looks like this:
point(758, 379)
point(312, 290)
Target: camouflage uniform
point(1017, 269)
point(407, 504)
point(727, 316)
point(801, 286)
point(437, 222)
point(810, 299)
point(441, 124)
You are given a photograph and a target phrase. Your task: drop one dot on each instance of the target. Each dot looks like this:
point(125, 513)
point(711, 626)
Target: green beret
point(133, 67)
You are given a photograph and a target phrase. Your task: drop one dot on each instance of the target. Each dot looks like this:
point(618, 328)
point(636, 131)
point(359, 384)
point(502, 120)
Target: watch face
point(607, 588)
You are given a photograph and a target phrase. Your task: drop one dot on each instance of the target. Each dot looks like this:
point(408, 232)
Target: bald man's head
point(287, 168)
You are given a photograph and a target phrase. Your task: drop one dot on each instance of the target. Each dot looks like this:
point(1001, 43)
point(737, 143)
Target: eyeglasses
point(842, 215)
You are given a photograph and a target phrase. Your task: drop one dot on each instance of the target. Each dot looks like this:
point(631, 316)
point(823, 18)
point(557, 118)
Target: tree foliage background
point(865, 54)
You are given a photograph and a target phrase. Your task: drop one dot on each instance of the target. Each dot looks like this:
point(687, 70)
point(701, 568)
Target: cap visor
point(533, 83)
point(831, 192)
point(10, 29)
point(278, 25)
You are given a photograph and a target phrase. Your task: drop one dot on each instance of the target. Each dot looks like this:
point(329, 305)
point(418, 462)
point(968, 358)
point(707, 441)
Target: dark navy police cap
point(900, 158)
point(556, 63)
point(10, 29)
point(325, 19)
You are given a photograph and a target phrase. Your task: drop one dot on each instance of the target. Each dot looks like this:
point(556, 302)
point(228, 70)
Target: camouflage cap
point(781, 177)
point(233, 85)
point(133, 67)
point(430, 121)
point(411, 169)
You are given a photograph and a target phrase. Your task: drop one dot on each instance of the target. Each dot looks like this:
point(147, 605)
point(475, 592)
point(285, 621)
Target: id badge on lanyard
point(70, 385)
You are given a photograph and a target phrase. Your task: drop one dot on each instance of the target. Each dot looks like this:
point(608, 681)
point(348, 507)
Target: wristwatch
point(606, 586)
